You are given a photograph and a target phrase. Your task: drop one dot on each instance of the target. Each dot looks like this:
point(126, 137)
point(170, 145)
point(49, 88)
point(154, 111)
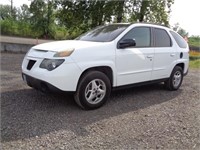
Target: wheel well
point(104, 69)
point(181, 65)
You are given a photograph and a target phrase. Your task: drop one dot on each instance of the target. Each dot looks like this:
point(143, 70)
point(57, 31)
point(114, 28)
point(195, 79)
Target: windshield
point(103, 33)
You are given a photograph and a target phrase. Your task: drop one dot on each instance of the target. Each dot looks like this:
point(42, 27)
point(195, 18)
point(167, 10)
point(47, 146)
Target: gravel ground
point(147, 117)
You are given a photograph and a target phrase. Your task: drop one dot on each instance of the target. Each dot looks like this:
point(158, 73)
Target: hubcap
point(95, 91)
point(177, 78)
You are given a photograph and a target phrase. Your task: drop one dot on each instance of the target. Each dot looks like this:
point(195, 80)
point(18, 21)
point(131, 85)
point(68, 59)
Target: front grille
point(30, 64)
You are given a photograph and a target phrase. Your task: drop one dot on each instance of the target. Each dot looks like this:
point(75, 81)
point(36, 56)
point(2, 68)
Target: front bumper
point(39, 84)
point(65, 77)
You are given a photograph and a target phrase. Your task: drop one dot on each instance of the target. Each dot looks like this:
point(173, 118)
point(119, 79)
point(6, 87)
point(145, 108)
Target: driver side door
point(134, 64)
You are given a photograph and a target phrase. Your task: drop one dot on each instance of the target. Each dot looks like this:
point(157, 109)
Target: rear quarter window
point(179, 40)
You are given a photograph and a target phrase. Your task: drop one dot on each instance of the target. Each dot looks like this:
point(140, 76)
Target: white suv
point(107, 57)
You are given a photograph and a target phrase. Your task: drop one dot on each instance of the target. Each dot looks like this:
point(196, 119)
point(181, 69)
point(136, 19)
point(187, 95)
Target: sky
point(184, 12)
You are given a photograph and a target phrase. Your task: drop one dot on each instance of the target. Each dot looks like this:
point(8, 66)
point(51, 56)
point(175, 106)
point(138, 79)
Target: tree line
point(66, 19)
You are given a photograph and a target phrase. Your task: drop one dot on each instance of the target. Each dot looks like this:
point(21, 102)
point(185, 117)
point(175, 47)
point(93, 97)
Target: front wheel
point(175, 80)
point(93, 90)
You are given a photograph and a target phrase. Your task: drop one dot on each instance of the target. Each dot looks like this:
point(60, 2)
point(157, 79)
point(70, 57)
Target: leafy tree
point(24, 13)
point(180, 30)
point(176, 27)
point(150, 11)
point(42, 16)
point(5, 12)
point(194, 41)
point(97, 12)
point(120, 10)
point(38, 18)
point(72, 13)
point(51, 17)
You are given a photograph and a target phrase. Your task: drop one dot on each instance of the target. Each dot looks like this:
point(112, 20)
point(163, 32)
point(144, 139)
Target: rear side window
point(179, 40)
point(162, 38)
point(142, 36)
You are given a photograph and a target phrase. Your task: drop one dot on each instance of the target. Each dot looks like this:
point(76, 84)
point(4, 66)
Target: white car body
point(128, 65)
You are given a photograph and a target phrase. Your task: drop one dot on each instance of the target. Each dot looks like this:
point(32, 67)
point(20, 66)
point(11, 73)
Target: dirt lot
point(147, 117)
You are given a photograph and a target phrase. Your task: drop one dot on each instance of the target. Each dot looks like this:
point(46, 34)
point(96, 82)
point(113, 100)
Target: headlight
point(51, 64)
point(65, 53)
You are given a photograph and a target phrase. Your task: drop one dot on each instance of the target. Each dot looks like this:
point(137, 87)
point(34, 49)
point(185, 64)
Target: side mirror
point(126, 43)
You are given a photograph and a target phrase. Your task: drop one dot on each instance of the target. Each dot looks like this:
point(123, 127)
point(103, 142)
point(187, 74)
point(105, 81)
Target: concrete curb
point(19, 44)
point(15, 47)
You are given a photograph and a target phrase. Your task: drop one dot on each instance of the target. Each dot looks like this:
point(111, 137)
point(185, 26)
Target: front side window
point(141, 35)
point(162, 38)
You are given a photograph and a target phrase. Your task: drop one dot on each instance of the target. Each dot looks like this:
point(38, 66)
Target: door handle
point(150, 56)
point(172, 55)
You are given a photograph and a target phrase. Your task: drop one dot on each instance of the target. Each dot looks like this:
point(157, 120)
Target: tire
point(93, 90)
point(175, 80)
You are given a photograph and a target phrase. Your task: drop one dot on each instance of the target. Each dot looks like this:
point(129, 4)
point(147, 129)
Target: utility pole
point(48, 17)
point(11, 7)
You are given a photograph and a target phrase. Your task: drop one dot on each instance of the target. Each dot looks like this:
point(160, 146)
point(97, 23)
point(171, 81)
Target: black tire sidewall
point(85, 81)
point(172, 87)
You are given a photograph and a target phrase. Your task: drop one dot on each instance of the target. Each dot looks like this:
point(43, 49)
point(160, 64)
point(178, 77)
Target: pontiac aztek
point(105, 58)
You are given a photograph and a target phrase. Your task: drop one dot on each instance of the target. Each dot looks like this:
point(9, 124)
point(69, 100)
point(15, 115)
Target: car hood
point(64, 45)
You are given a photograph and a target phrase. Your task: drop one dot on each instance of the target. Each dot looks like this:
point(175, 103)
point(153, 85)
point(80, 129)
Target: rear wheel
point(93, 90)
point(175, 80)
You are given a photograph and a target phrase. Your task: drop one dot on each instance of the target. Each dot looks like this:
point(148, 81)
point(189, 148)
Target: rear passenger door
point(164, 56)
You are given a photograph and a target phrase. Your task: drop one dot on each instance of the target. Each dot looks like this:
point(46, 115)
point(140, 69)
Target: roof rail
point(152, 24)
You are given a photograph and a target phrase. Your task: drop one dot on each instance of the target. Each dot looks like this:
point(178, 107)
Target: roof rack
point(151, 23)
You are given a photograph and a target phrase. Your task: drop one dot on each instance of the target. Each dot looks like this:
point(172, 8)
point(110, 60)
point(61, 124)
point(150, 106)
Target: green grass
point(195, 63)
point(194, 41)
point(194, 59)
